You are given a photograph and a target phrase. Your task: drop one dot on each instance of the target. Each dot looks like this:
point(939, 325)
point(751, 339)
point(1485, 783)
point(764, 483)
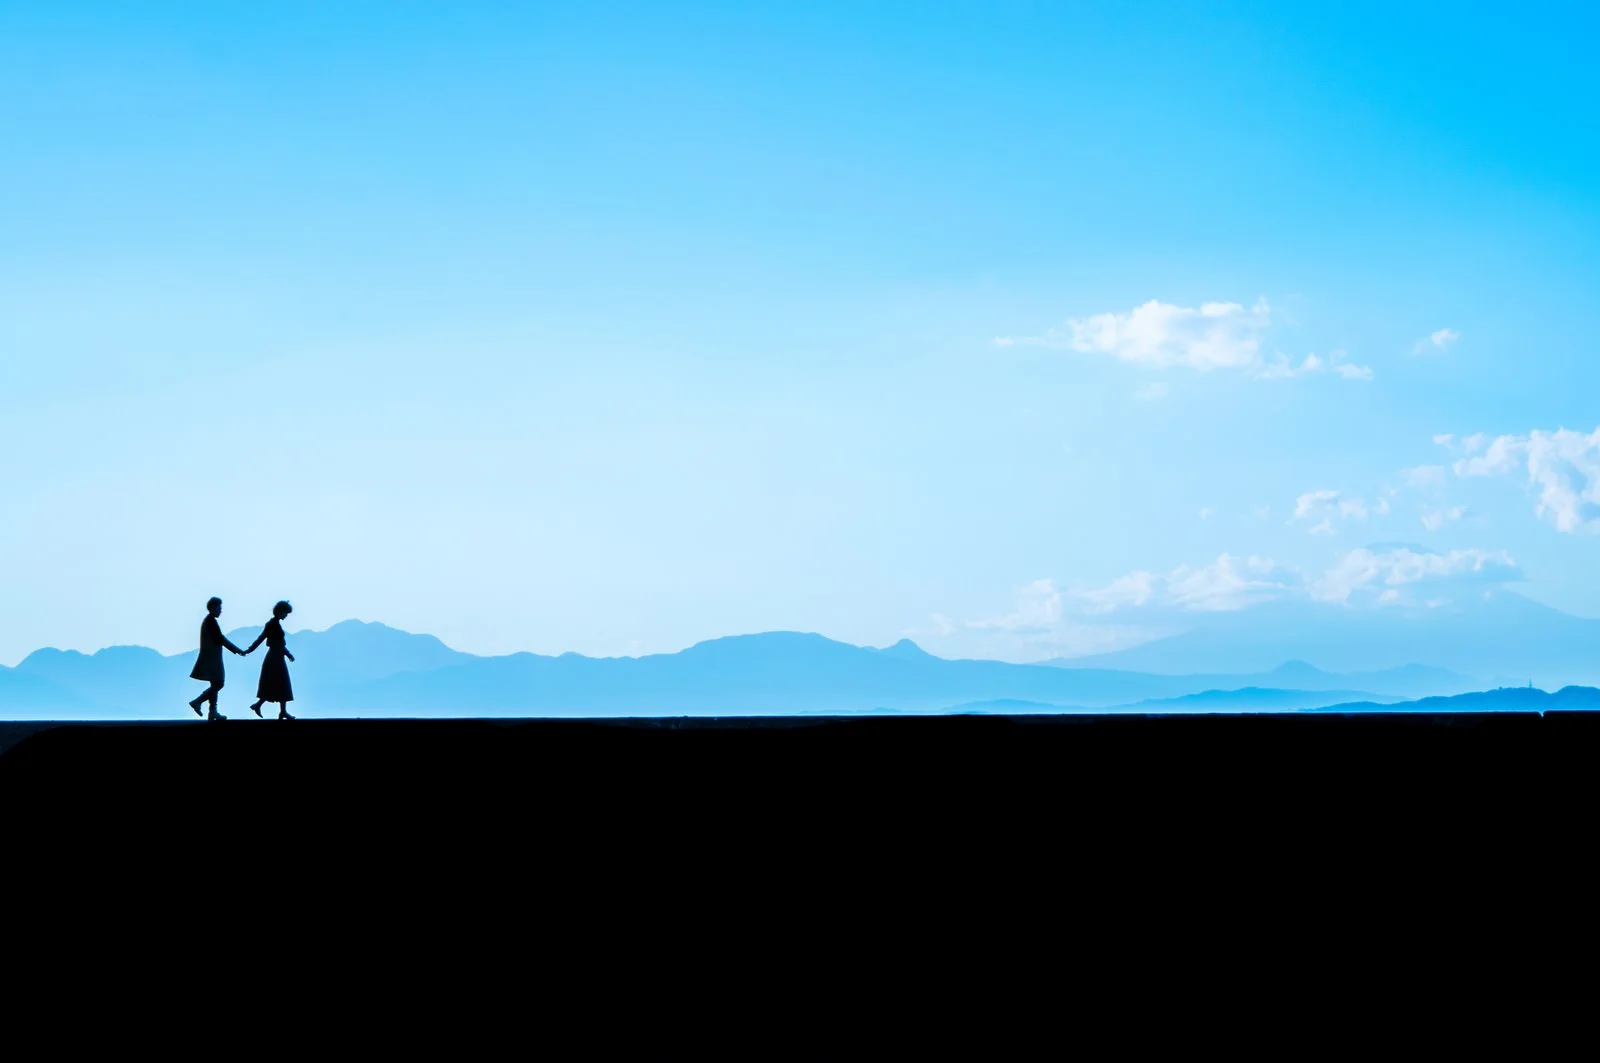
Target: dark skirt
point(274, 685)
point(208, 666)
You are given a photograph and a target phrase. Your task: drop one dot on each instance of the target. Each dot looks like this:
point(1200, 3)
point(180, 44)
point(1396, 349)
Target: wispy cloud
point(1562, 466)
point(1143, 604)
point(1041, 627)
point(1466, 445)
point(1160, 335)
point(1434, 519)
point(1378, 575)
point(1325, 509)
point(1423, 477)
point(1134, 589)
point(1384, 572)
point(1226, 584)
point(1434, 342)
point(1283, 369)
point(1038, 608)
point(1157, 335)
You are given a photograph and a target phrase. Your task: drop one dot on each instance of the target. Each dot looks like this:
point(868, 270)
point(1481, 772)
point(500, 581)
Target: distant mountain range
point(1503, 699)
point(1494, 634)
point(366, 669)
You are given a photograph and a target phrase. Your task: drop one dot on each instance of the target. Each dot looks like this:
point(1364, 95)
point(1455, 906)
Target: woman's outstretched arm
point(257, 642)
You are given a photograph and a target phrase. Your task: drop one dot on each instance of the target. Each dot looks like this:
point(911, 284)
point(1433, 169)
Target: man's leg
point(208, 695)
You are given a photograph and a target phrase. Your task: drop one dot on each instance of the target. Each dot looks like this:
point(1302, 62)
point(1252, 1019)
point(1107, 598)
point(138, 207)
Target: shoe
point(283, 714)
point(216, 716)
point(256, 708)
point(195, 705)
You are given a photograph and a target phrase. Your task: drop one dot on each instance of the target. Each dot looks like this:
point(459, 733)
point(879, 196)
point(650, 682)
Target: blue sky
point(611, 328)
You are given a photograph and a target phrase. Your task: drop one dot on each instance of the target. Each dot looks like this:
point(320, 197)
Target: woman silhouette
point(208, 666)
point(274, 685)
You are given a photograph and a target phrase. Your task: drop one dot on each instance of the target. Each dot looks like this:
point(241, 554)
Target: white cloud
point(1206, 512)
point(1284, 369)
point(1039, 627)
point(1386, 568)
point(1227, 584)
point(1312, 502)
point(1160, 335)
point(1136, 588)
point(1564, 466)
point(1146, 602)
point(1465, 445)
point(1435, 519)
point(1050, 622)
point(1325, 507)
point(1038, 607)
point(1423, 477)
point(1352, 372)
point(1216, 336)
point(1152, 392)
point(1436, 341)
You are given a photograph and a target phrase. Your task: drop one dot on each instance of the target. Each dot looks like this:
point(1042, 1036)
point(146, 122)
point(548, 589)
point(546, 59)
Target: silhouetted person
point(208, 666)
point(274, 685)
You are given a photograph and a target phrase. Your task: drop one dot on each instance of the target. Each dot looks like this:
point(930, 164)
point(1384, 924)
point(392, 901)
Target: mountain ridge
point(1493, 633)
point(365, 668)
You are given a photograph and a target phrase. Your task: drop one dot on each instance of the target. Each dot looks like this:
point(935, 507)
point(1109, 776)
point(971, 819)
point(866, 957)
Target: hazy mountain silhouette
point(1246, 699)
point(119, 677)
point(1494, 634)
point(352, 652)
point(373, 670)
point(40, 696)
point(1256, 699)
point(777, 672)
point(1412, 680)
point(1502, 699)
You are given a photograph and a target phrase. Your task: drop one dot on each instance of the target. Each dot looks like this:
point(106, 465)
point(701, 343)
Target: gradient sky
point(611, 328)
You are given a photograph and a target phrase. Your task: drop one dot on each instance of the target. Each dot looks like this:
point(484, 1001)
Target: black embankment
point(1030, 777)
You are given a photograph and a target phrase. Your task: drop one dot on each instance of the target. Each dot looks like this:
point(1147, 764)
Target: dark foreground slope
point(519, 787)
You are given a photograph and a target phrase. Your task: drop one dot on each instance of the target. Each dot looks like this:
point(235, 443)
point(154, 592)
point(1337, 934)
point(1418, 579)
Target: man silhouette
point(208, 666)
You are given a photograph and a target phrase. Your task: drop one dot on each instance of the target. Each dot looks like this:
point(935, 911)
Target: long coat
point(208, 665)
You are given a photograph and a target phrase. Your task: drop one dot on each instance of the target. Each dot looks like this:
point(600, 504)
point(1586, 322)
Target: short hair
point(212, 602)
point(282, 609)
